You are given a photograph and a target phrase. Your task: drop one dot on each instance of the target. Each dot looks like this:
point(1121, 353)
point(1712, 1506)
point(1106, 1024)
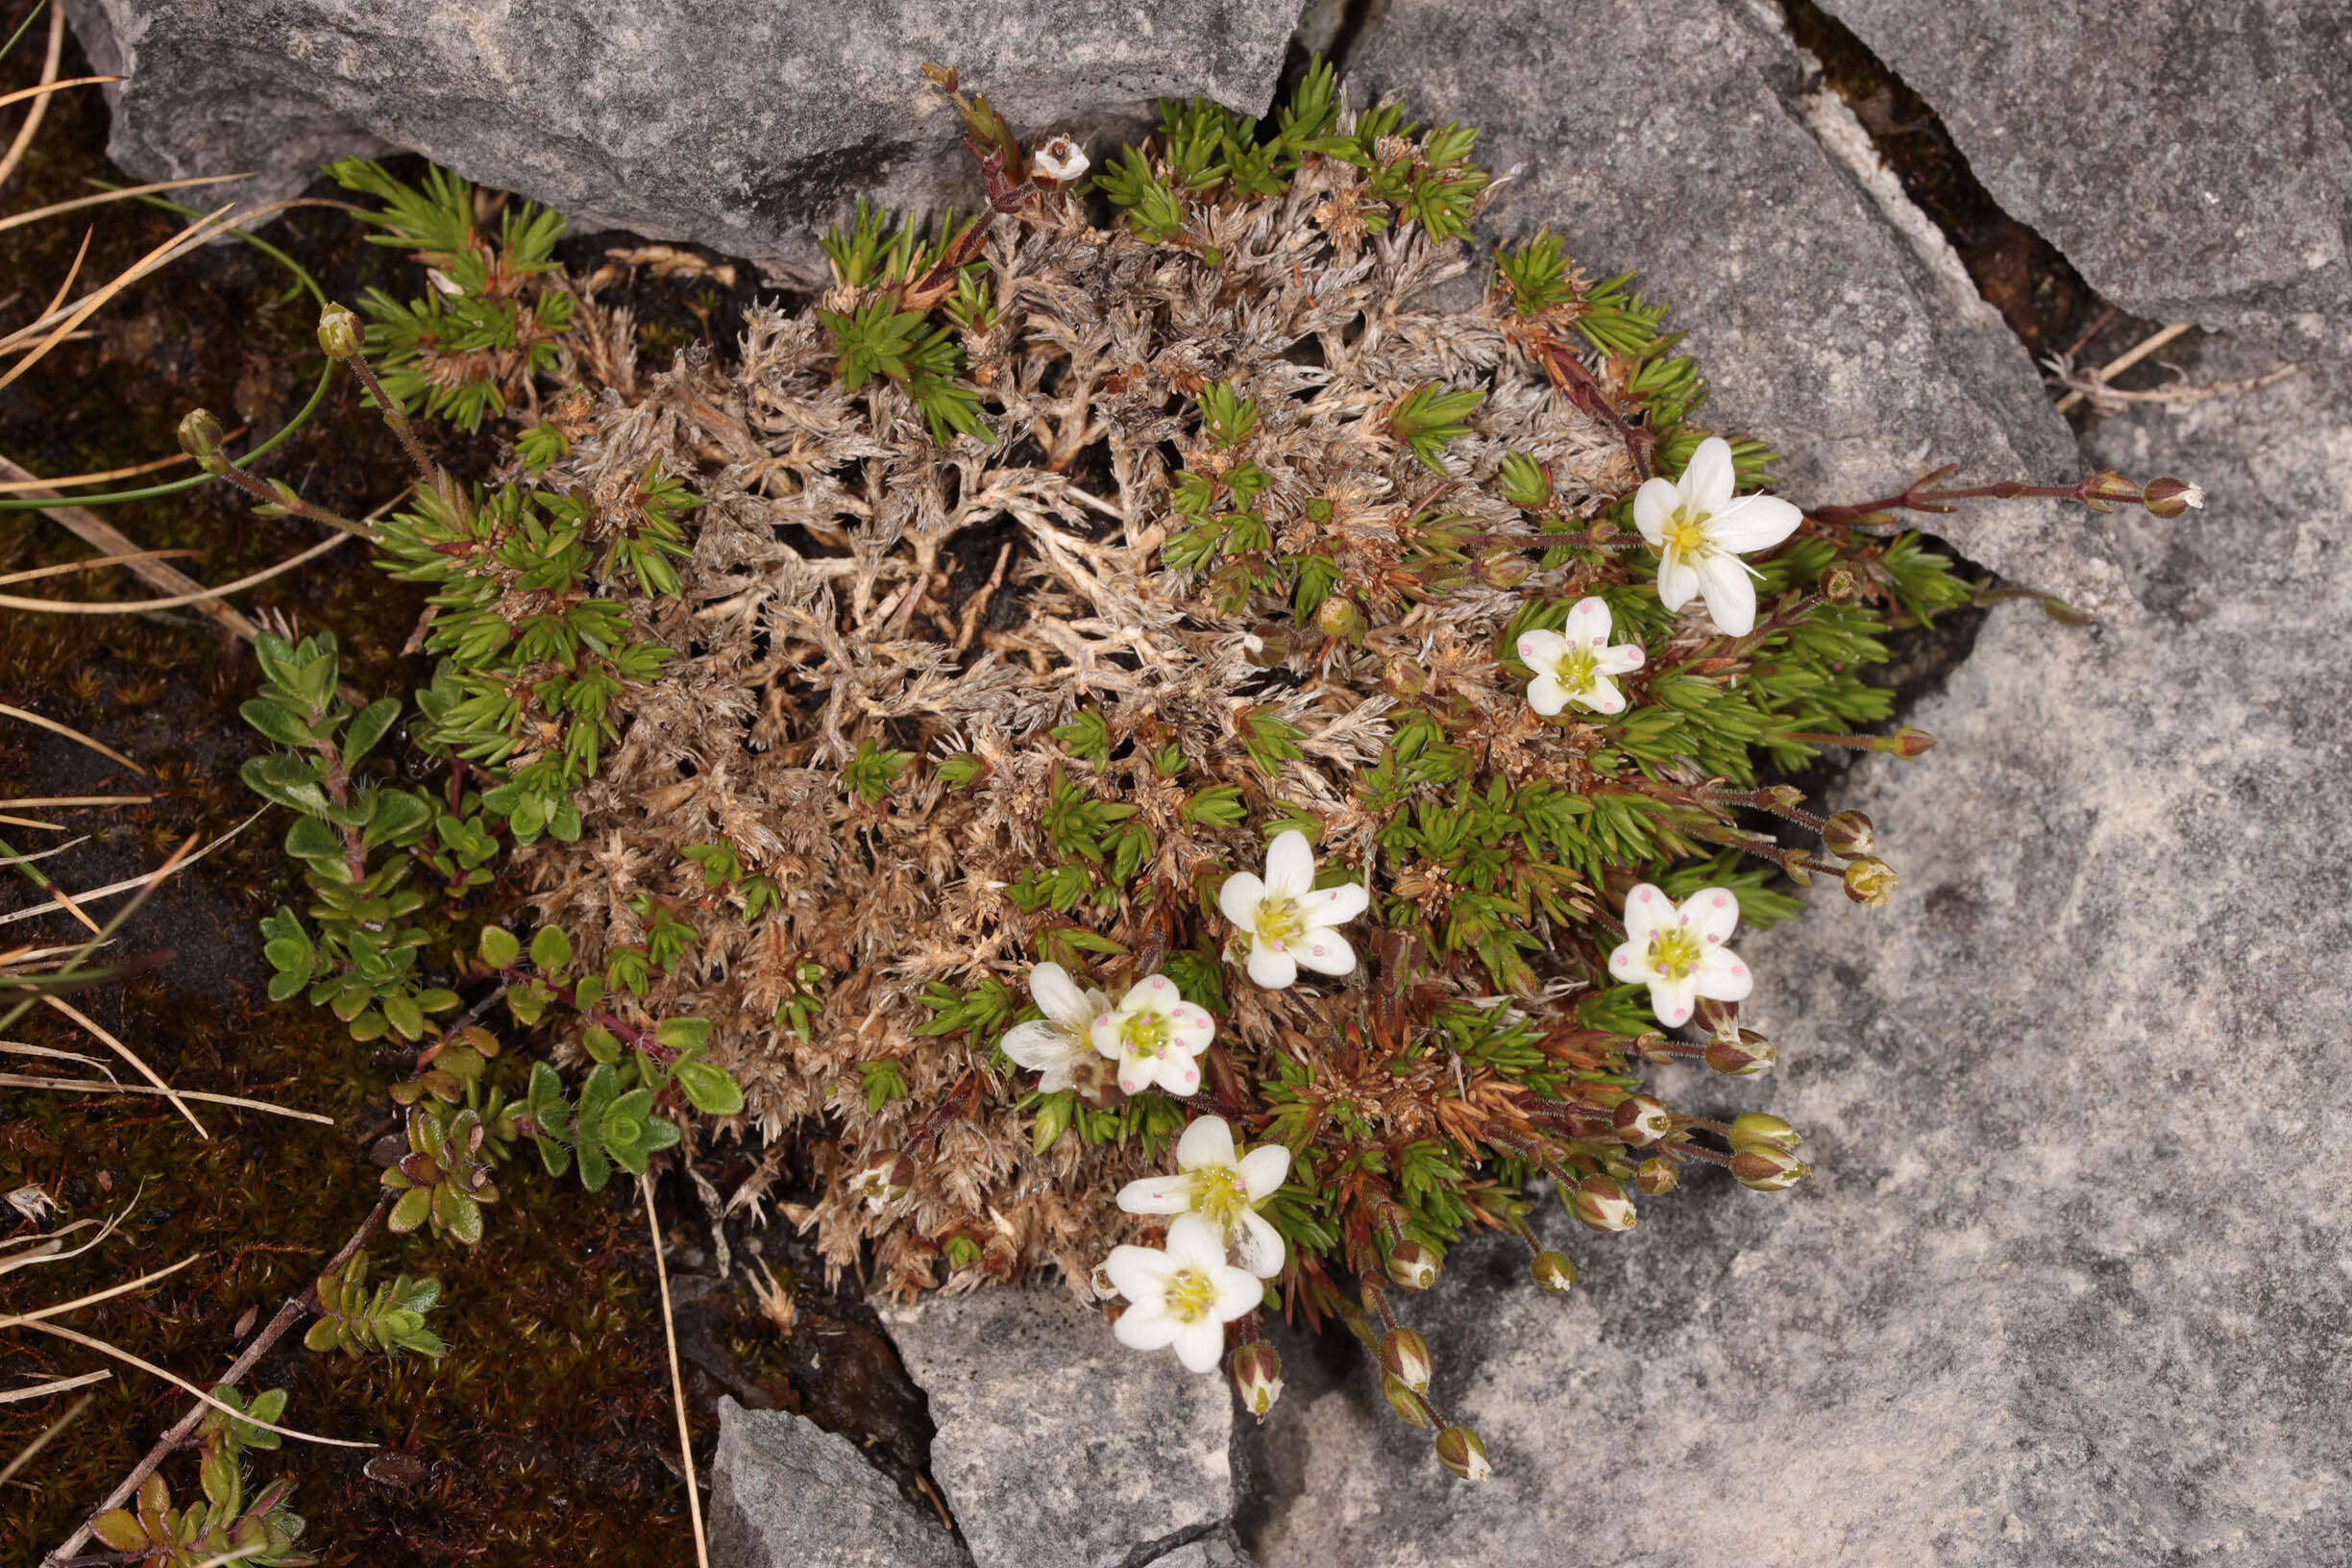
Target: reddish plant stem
point(639, 1040)
point(1920, 496)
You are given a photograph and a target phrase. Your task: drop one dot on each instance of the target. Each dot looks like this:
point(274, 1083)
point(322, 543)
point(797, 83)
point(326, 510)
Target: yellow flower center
point(1576, 668)
point(1674, 953)
point(1191, 1295)
point(1220, 1195)
point(1145, 1034)
point(1279, 922)
point(1686, 532)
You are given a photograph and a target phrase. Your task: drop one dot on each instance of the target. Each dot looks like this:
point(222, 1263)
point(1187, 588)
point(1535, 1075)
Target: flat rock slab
point(740, 124)
point(2073, 1281)
point(785, 1493)
point(1683, 141)
point(1058, 1447)
point(2194, 161)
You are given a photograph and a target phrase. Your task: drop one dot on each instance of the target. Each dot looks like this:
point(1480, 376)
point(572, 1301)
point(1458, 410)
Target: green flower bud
point(1554, 1271)
point(2169, 497)
point(199, 435)
point(1848, 833)
point(1870, 881)
point(1413, 1265)
point(1758, 1130)
point(1742, 1058)
point(1905, 742)
point(1459, 1451)
point(339, 334)
point(1410, 1406)
point(1256, 1368)
point(1338, 616)
point(1657, 1176)
point(1641, 1120)
point(1768, 1169)
point(1405, 1355)
point(1600, 1204)
point(1404, 679)
point(2108, 489)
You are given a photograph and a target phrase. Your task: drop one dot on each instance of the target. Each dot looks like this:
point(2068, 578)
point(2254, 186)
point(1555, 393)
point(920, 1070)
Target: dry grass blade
point(73, 1413)
point(116, 194)
point(61, 1309)
point(71, 273)
point(128, 1055)
point(27, 821)
point(185, 240)
point(2123, 362)
point(96, 531)
point(44, 88)
point(26, 132)
point(81, 800)
point(136, 606)
point(41, 1390)
point(186, 1386)
point(125, 886)
point(52, 1253)
point(68, 567)
point(17, 1047)
point(677, 1387)
point(83, 1086)
point(174, 460)
point(70, 733)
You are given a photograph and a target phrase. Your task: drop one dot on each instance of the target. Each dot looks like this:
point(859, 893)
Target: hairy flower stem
point(427, 471)
point(1920, 496)
point(223, 468)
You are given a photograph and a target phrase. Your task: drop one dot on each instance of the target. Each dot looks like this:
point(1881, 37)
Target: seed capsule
point(2169, 497)
point(1869, 882)
point(1599, 1202)
point(1256, 1369)
point(1459, 1451)
point(1848, 833)
point(1413, 1265)
point(1405, 1355)
point(1767, 1168)
point(1554, 1271)
point(1759, 1130)
point(1657, 1177)
point(1641, 1120)
point(1742, 1058)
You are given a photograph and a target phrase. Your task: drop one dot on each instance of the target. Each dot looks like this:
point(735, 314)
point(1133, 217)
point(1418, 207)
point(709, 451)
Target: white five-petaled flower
point(1700, 532)
point(1575, 663)
point(1680, 951)
point(1183, 1296)
point(1222, 1187)
point(1286, 922)
point(1052, 1046)
point(1058, 158)
point(1154, 1035)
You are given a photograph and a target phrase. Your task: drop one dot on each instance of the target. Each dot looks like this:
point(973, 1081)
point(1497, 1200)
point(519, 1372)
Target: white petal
point(1178, 1073)
point(1263, 1170)
point(1200, 1345)
point(1274, 970)
point(1146, 1328)
point(1335, 906)
point(1753, 522)
point(1153, 993)
point(1157, 1195)
point(1603, 696)
point(1712, 915)
point(1622, 660)
point(1137, 1072)
point(1731, 594)
point(1192, 1027)
point(1139, 1273)
point(1325, 951)
point(1656, 500)
point(1056, 1078)
point(1546, 696)
point(1208, 1142)
point(1289, 865)
point(1646, 909)
point(1673, 1000)
point(1541, 650)
point(1038, 1046)
point(1259, 1247)
point(1723, 977)
point(1104, 1034)
point(1193, 1242)
point(1707, 483)
point(1678, 583)
point(1629, 962)
point(1062, 999)
point(1588, 623)
point(1239, 898)
point(1237, 1291)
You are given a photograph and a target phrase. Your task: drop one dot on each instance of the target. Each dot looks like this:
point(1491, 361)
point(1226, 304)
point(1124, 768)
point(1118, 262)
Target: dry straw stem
point(677, 1387)
point(53, 606)
point(125, 1356)
point(20, 1319)
point(8, 710)
point(95, 1027)
point(65, 568)
point(127, 885)
point(2123, 362)
point(83, 1086)
point(26, 132)
point(96, 531)
point(133, 471)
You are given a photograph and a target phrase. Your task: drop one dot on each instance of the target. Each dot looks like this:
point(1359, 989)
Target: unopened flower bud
point(1403, 678)
point(1905, 742)
point(1742, 1058)
point(1505, 568)
point(199, 435)
point(1257, 1376)
point(1759, 1130)
point(1338, 616)
point(1848, 833)
point(1716, 1017)
point(2169, 497)
point(1459, 1451)
point(1657, 1176)
point(1768, 1169)
point(1104, 1288)
point(1405, 1355)
point(1554, 1271)
point(1870, 881)
point(339, 336)
point(1641, 1120)
point(1265, 646)
point(1413, 1265)
point(1410, 1406)
point(2108, 489)
point(1839, 584)
point(1599, 1202)
point(883, 1180)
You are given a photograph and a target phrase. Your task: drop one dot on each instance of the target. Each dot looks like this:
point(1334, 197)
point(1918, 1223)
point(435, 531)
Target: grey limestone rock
point(1058, 1447)
point(2194, 161)
point(2070, 1284)
point(784, 1493)
point(735, 123)
point(1830, 317)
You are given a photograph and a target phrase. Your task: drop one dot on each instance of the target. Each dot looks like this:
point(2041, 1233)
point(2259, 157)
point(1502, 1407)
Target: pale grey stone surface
point(1681, 140)
point(1058, 1447)
point(785, 1493)
point(735, 123)
point(2071, 1284)
point(2192, 159)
